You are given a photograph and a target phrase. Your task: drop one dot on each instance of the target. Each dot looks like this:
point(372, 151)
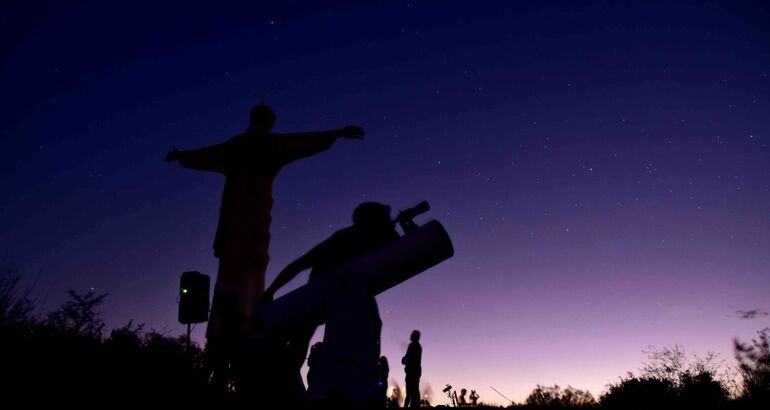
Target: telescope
point(376, 272)
point(406, 217)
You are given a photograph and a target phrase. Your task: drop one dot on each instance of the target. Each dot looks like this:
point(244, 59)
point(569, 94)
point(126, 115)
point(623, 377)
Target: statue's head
point(372, 216)
point(261, 118)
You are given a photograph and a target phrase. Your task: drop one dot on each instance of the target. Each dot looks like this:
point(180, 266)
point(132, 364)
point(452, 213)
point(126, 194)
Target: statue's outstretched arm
point(300, 145)
point(210, 158)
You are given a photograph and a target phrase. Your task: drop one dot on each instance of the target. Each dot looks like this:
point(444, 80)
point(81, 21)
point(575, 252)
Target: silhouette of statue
point(372, 228)
point(461, 400)
point(250, 162)
point(383, 371)
point(412, 362)
point(474, 398)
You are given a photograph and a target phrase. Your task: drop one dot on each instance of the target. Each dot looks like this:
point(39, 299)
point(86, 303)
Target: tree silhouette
point(667, 379)
point(556, 397)
point(66, 356)
point(640, 393)
point(16, 309)
point(78, 316)
point(754, 364)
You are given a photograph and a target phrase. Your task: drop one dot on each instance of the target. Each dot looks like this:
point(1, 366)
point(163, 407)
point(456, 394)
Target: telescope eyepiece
point(405, 217)
point(411, 213)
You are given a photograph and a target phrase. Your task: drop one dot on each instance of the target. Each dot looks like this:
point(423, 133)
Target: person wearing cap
point(372, 229)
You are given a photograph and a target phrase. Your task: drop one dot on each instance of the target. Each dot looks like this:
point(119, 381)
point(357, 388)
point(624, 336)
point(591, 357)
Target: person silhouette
point(412, 362)
point(461, 400)
point(474, 398)
point(372, 228)
point(382, 379)
point(250, 162)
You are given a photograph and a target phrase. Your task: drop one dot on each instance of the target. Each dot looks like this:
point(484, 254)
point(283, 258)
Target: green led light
point(184, 290)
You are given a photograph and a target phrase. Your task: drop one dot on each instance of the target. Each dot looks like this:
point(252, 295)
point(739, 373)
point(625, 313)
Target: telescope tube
point(378, 271)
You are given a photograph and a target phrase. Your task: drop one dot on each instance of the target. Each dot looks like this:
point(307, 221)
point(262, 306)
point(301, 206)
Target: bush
point(555, 397)
point(754, 364)
point(639, 393)
point(16, 309)
point(669, 379)
point(66, 356)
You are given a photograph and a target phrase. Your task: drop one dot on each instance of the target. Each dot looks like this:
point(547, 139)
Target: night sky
point(603, 169)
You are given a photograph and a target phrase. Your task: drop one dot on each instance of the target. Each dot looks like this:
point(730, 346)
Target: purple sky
point(602, 169)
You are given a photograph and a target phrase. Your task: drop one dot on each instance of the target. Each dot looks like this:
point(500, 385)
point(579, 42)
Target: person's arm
point(286, 275)
point(291, 270)
point(210, 158)
point(408, 359)
point(305, 144)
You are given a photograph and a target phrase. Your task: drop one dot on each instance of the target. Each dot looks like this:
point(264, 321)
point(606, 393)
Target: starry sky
point(602, 168)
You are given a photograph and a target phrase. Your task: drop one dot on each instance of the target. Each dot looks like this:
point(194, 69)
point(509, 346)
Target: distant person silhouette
point(412, 362)
point(372, 228)
point(474, 398)
point(461, 400)
point(395, 397)
point(383, 370)
point(250, 162)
